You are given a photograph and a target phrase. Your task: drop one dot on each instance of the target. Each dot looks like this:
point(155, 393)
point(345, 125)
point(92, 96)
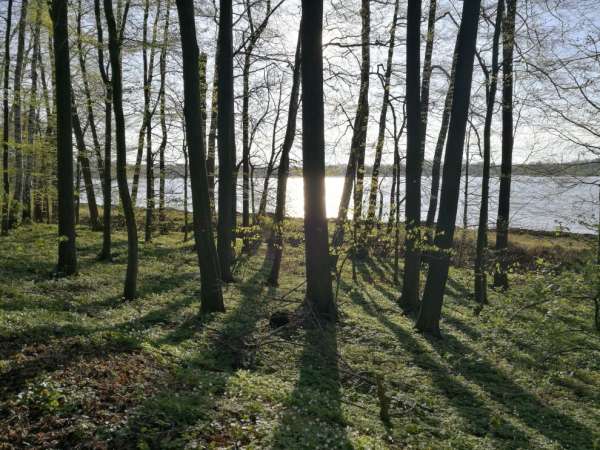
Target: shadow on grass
point(480, 420)
point(313, 415)
point(514, 399)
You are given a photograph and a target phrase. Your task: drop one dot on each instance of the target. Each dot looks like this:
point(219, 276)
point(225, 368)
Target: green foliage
point(81, 368)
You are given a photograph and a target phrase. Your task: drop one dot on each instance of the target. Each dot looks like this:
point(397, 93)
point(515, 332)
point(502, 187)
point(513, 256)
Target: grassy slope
point(79, 366)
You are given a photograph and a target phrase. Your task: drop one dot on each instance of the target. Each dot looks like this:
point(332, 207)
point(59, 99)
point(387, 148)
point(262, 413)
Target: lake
point(537, 203)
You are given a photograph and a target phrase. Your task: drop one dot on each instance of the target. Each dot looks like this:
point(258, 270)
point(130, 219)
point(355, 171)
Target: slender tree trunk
point(382, 119)
point(275, 249)
point(409, 300)
point(88, 97)
point(431, 307)
point(5, 124)
point(16, 211)
point(31, 119)
point(482, 229)
point(212, 138)
point(84, 164)
point(211, 294)
point(105, 253)
point(163, 121)
point(67, 254)
point(318, 272)
point(185, 191)
point(508, 42)
point(149, 183)
point(226, 142)
point(114, 46)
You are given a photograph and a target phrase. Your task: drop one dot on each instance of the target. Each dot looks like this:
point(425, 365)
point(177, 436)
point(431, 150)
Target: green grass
point(81, 368)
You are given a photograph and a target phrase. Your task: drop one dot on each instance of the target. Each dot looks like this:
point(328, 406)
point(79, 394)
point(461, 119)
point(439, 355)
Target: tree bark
point(5, 124)
point(508, 42)
point(318, 272)
point(163, 121)
point(67, 254)
point(115, 40)
point(211, 295)
point(275, 249)
point(482, 229)
point(409, 300)
point(382, 119)
point(226, 142)
point(431, 307)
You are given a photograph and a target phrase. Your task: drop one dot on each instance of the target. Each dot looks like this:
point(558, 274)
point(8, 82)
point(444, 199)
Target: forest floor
point(81, 368)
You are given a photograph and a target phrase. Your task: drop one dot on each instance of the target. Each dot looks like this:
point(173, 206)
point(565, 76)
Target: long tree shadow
point(479, 418)
point(189, 400)
point(529, 409)
point(313, 415)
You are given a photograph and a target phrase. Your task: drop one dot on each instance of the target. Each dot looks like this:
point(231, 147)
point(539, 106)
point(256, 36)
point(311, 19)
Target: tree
point(67, 254)
point(226, 141)
point(275, 250)
point(433, 295)
point(491, 80)
point(356, 158)
point(318, 276)
point(409, 300)
point(508, 43)
point(382, 119)
point(211, 295)
point(5, 124)
point(115, 40)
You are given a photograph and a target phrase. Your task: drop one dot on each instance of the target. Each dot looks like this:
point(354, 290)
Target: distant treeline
point(588, 168)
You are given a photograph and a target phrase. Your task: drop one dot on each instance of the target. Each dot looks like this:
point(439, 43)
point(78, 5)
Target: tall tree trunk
point(226, 142)
point(318, 272)
point(88, 97)
point(508, 42)
point(16, 211)
point(146, 128)
point(211, 295)
point(439, 150)
point(115, 40)
point(482, 229)
point(433, 295)
point(212, 138)
point(32, 119)
point(5, 124)
point(275, 249)
point(67, 254)
point(355, 167)
point(105, 253)
point(409, 300)
point(185, 190)
point(163, 121)
point(84, 164)
point(382, 119)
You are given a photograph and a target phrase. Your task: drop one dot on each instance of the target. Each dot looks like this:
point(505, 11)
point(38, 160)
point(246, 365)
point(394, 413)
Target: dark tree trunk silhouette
point(275, 249)
point(433, 295)
point(105, 253)
point(16, 211)
point(163, 121)
point(84, 164)
point(5, 118)
point(508, 42)
point(409, 300)
point(212, 297)
point(491, 77)
point(114, 45)
point(67, 254)
point(226, 142)
point(355, 166)
point(318, 275)
point(382, 120)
